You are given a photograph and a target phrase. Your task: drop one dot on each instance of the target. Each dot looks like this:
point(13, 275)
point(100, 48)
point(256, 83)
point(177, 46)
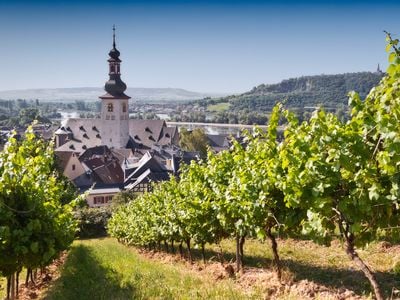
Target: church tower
point(114, 105)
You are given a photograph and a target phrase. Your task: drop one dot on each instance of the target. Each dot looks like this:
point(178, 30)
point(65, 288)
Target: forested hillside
point(307, 91)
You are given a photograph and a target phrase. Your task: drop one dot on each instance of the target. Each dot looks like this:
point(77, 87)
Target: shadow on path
point(83, 277)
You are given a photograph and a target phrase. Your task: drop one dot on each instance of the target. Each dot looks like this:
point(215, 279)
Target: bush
point(92, 222)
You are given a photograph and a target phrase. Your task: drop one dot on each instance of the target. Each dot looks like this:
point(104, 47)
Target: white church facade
point(107, 152)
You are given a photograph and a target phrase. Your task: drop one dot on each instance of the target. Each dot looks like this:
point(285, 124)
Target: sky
point(205, 46)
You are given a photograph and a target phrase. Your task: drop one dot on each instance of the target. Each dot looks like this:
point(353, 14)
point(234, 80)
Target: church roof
point(167, 135)
point(146, 132)
point(86, 134)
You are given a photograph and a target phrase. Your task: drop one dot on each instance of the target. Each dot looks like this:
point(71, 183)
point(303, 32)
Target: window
point(109, 199)
point(73, 167)
point(124, 107)
point(112, 117)
point(98, 200)
point(110, 107)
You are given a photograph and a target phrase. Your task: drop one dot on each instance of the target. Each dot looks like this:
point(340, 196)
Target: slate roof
point(143, 134)
point(86, 134)
point(147, 162)
point(102, 150)
point(109, 173)
point(147, 177)
point(93, 163)
point(146, 132)
point(122, 154)
point(167, 135)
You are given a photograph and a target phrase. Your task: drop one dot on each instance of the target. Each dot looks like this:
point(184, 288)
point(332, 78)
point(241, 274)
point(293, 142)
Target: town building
point(112, 153)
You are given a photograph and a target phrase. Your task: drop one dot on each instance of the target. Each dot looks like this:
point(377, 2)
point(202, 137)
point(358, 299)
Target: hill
point(93, 93)
point(329, 91)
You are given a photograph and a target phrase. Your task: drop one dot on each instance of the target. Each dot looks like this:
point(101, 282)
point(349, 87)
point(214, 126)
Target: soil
point(42, 281)
point(264, 279)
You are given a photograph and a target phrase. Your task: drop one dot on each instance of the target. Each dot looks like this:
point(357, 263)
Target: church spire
point(114, 36)
point(114, 87)
point(378, 69)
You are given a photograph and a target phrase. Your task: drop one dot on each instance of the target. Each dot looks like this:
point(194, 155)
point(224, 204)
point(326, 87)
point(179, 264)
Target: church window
point(124, 107)
point(110, 107)
point(73, 167)
point(112, 117)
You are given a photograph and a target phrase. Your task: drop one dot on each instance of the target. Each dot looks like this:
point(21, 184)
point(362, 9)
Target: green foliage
point(218, 107)
point(330, 91)
point(34, 225)
point(396, 267)
point(328, 177)
point(232, 193)
point(195, 140)
point(92, 222)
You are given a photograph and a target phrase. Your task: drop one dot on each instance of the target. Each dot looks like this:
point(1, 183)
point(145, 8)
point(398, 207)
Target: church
point(112, 153)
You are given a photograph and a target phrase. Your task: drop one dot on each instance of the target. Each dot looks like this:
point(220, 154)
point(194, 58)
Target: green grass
point(219, 107)
point(105, 269)
point(3, 284)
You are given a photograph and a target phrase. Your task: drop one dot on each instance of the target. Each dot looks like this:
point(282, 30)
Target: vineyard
point(35, 225)
point(324, 180)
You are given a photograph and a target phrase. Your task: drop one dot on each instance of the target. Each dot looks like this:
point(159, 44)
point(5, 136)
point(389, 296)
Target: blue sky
point(208, 46)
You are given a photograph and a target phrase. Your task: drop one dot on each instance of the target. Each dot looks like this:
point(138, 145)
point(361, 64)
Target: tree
point(195, 140)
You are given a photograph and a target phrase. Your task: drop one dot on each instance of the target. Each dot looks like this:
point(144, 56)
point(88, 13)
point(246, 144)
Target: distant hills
point(92, 94)
point(330, 91)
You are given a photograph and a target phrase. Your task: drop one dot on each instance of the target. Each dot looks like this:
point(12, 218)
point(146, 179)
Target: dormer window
point(137, 137)
point(167, 135)
point(85, 136)
point(94, 128)
point(147, 129)
point(98, 136)
point(81, 128)
point(110, 107)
